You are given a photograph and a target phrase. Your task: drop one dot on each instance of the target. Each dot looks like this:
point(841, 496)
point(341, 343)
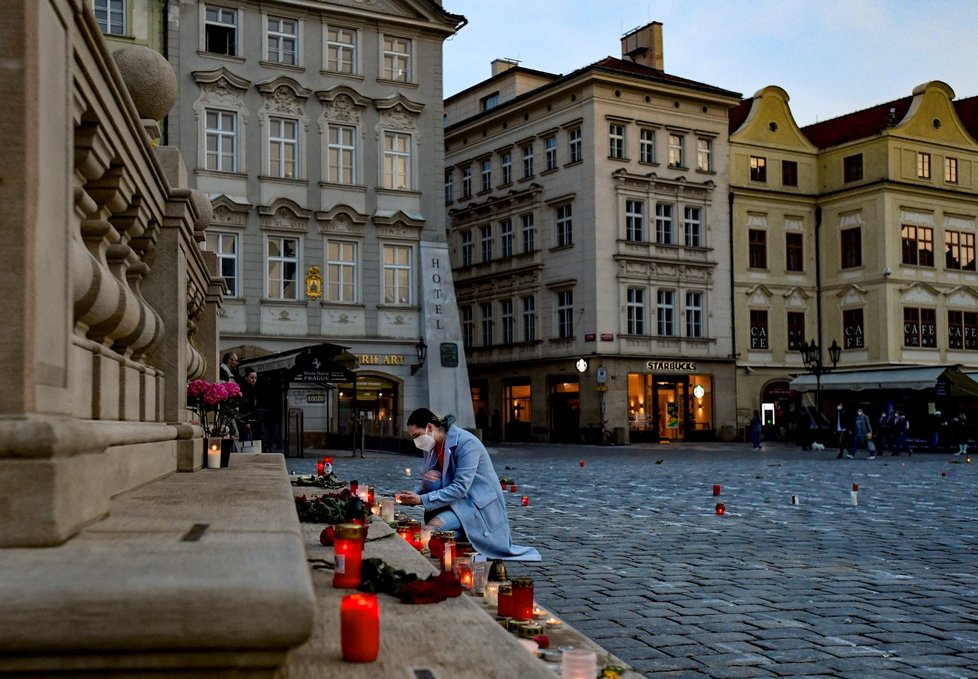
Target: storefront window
point(664, 406)
point(370, 404)
point(518, 412)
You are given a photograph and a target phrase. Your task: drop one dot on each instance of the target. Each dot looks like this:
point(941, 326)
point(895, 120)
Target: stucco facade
point(589, 221)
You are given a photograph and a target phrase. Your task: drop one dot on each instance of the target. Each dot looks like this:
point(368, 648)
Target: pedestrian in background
point(755, 430)
point(861, 431)
point(961, 434)
point(841, 430)
point(884, 431)
point(935, 424)
point(901, 429)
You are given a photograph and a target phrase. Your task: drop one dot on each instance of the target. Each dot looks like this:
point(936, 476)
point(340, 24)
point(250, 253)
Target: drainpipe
point(733, 307)
point(818, 276)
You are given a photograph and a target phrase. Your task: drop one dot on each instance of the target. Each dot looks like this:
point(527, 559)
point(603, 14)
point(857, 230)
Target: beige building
point(131, 22)
point(311, 127)
point(870, 244)
point(589, 241)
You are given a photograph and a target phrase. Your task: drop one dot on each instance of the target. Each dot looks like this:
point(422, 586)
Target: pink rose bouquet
point(216, 405)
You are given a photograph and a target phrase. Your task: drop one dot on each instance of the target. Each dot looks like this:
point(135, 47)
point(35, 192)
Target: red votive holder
point(720, 509)
point(504, 601)
point(580, 463)
point(855, 487)
point(360, 627)
point(436, 546)
point(354, 486)
point(522, 598)
point(512, 489)
point(716, 489)
point(525, 501)
point(321, 468)
point(543, 641)
point(348, 553)
point(370, 495)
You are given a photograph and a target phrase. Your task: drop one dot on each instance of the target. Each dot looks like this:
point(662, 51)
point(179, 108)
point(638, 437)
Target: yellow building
point(859, 230)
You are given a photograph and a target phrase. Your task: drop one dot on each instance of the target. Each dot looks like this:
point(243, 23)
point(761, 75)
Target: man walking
point(841, 430)
point(862, 430)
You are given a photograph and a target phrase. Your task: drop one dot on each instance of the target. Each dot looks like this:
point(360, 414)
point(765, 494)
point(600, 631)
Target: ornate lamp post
point(422, 350)
point(811, 354)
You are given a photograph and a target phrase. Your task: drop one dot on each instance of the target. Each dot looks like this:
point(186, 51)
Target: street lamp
point(811, 354)
point(422, 350)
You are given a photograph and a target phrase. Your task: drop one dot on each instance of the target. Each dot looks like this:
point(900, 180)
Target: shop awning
point(914, 378)
point(320, 363)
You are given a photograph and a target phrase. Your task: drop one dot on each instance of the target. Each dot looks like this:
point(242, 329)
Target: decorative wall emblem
point(314, 283)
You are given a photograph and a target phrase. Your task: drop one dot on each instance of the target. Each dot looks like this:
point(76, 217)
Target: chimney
point(644, 45)
point(502, 65)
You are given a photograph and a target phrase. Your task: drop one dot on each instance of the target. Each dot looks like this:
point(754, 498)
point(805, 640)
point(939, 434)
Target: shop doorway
point(516, 397)
point(565, 410)
point(366, 414)
point(671, 402)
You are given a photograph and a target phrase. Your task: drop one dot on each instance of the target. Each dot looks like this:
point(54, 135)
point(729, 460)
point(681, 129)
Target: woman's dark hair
point(422, 417)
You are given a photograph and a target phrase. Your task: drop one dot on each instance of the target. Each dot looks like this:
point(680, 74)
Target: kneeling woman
point(459, 488)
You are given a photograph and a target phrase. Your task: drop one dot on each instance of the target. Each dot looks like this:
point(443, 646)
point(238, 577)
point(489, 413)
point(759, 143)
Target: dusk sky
point(832, 56)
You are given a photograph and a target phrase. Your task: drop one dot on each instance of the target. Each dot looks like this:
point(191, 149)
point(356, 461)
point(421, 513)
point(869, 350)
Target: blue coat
point(469, 485)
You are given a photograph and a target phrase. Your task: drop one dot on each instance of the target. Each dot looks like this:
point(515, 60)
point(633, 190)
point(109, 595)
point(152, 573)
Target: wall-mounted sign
point(449, 355)
point(699, 391)
point(676, 366)
point(590, 337)
point(314, 283)
point(607, 337)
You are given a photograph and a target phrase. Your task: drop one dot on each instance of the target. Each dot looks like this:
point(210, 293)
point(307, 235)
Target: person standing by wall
point(229, 367)
point(901, 429)
point(754, 429)
point(841, 430)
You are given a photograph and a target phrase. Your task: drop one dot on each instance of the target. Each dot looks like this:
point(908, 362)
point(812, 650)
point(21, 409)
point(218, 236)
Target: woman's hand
point(407, 498)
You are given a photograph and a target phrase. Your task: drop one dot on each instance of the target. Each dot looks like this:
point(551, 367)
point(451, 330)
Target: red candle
point(354, 485)
point(348, 552)
point(435, 545)
point(581, 463)
point(525, 501)
point(522, 598)
point(720, 509)
point(855, 486)
point(370, 495)
point(543, 641)
point(716, 489)
point(504, 601)
point(321, 468)
point(512, 489)
point(360, 627)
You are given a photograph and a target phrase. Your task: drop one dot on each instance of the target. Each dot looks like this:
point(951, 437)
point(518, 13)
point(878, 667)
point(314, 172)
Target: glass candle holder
point(504, 602)
point(448, 553)
point(321, 468)
point(436, 544)
point(522, 598)
point(348, 554)
point(491, 595)
point(576, 663)
point(462, 567)
point(360, 627)
point(387, 509)
point(214, 452)
point(479, 572)
point(425, 538)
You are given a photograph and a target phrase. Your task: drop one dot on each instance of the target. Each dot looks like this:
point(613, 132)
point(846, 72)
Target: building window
point(283, 148)
point(397, 161)
point(758, 329)
point(794, 252)
point(852, 247)
point(646, 145)
point(616, 141)
point(449, 186)
point(282, 41)
point(574, 140)
point(486, 308)
point(550, 144)
point(693, 227)
point(665, 313)
point(635, 220)
point(486, 175)
point(960, 253)
point(694, 314)
point(468, 327)
point(704, 155)
point(663, 224)
point(852, 168)
point(757, 248)
point(220, 30)
point(529, 319)
point(796, 330)
point(110, 16)
point(528, 232)
point(506, 238)
point(341, 50)
point(951, 170)
point(396, 59)
point(341, 155)
point(341, 272)
point(918, 245)
point(635, 311)
point(919, 328)
point(962, 330)
point(221, 140)
point(758, 169)
point(565, 225)
point(506, 163)
point(923, 165)
point(506, 316)
point(527, 161)
point(282, 266)
point(486, 242)
point(467, 248)
point(789, 173)
point(677, 151)
point(853, 336)
point(397, 274)
point(565, 314)
point(466, 182)
point(225, 246)
point(489, 102)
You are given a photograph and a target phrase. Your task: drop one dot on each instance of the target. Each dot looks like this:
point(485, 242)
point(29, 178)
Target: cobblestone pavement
point(636, 557)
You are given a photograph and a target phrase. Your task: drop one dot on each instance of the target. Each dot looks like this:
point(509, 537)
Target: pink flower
point(196, 388)
point(232, 389)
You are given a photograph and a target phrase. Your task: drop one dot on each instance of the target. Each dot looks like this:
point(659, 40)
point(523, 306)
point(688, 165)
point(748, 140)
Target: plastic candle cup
point(522, 598)
point(370, 495)
point(348, 552)
point(576, 663)
point(448, 553)
point(321, 468)
point(525, 501)
point(504, 601)
point(491, 594)
point(360, 627)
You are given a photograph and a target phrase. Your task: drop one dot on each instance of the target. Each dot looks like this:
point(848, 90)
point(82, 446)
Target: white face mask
point(425, 442)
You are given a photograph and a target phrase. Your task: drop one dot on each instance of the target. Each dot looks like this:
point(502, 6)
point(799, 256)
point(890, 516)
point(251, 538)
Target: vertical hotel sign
point(440, 315)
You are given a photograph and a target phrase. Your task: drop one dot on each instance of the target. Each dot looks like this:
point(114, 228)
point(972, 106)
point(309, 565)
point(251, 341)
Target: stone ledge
point(131, 592)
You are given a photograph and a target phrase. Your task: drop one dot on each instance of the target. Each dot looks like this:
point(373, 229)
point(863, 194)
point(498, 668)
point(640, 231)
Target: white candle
point(362, 493)
point(214, 454)
point(387, 509)
point(553, 623)
point(407, 471)
point(492, 594)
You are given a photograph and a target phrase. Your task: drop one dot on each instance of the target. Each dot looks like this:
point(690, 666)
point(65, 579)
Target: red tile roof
point(968, 113)
point(859, 125)
point(738, 114)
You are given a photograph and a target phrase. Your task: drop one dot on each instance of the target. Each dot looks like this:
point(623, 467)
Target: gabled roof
point(654, 74)
point(858, 125)
point(738, 114)
point(968, 113)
